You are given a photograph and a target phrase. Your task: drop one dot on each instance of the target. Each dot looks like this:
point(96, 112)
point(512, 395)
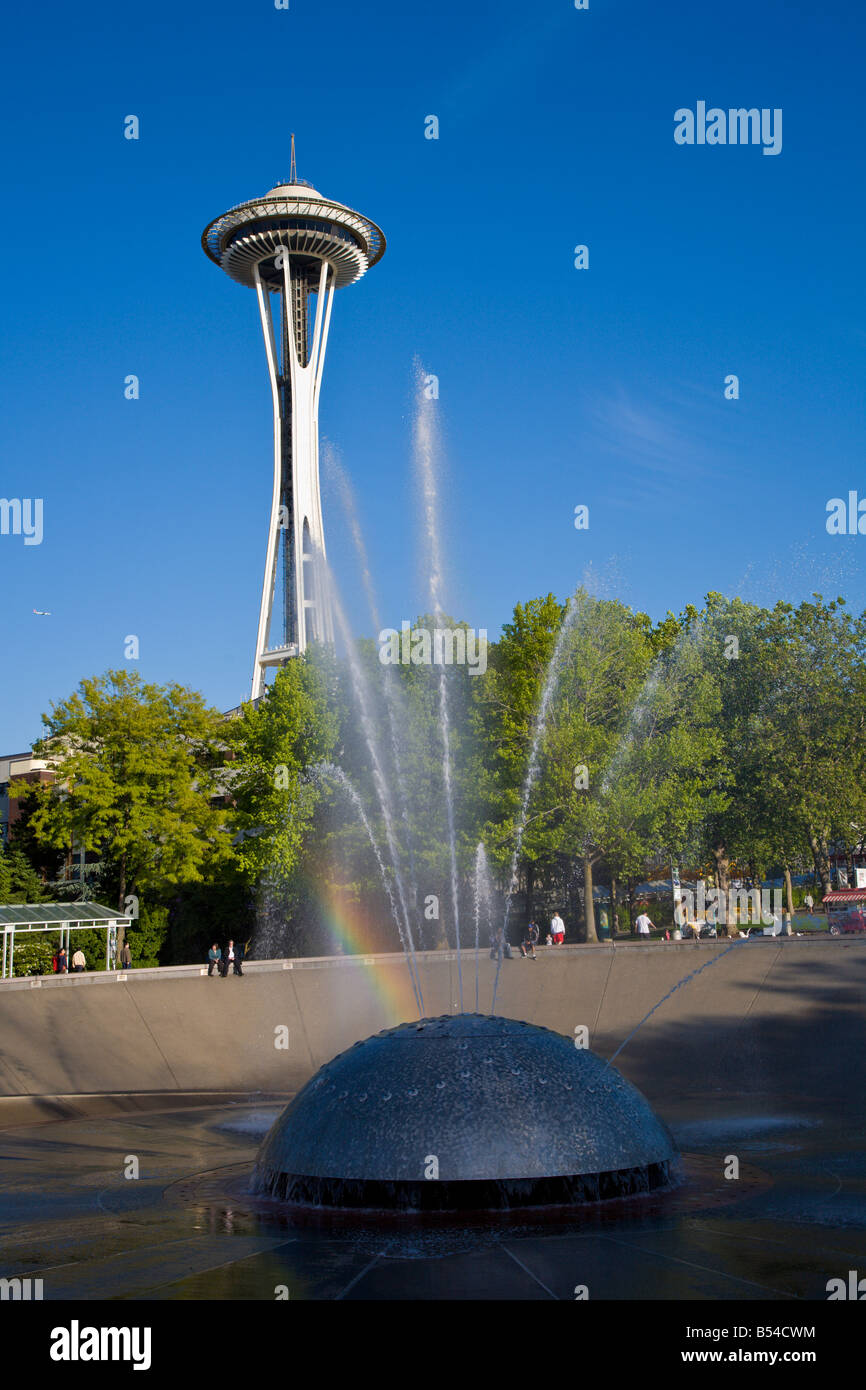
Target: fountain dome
point(464, 1112)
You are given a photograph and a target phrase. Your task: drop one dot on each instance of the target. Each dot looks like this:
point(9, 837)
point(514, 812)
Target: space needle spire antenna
point(294, 248)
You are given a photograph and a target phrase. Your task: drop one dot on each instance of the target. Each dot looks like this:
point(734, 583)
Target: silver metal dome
point(511, 1113)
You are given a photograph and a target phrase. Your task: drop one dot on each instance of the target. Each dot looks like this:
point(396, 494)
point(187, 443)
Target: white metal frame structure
point(296, 245)
point(25, 918)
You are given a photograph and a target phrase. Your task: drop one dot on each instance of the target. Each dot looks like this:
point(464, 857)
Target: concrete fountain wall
point(773, 1016)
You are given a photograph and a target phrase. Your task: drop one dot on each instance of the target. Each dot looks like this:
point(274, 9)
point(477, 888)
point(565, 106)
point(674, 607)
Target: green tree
point(627, 761)
point(506, 704)
point(589, 802)
point(147, 935)
point(136, 781)
point(277, 744)
point(19, 881)
point(734, 820)
point(808, 752)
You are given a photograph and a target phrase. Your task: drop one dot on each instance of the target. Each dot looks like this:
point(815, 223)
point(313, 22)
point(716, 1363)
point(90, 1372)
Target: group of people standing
point(61, 964)
point(555, 937)
point(223, 962)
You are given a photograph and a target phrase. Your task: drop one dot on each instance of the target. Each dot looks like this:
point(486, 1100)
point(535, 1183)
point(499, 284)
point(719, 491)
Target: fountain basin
point(464, 1112)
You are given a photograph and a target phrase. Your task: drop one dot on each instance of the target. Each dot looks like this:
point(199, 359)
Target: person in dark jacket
point(530, 940)
point(232, 960)
point(125, 956)
point(214, 959)
point(62, 966)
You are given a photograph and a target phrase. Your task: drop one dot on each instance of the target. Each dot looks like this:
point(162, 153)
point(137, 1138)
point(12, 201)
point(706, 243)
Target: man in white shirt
point(644, 925)
point(557, 929)
point(232, 959)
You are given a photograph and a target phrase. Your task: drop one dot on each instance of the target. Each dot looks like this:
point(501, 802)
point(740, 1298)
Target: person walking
point(125, 956)
point(557, 929)
point(530, 940)
point(214, 960)
point(62, 967)
point(644, 925)
point(79, 964)
point(809, 902)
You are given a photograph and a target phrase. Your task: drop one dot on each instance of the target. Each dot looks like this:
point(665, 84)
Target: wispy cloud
point(649, 440)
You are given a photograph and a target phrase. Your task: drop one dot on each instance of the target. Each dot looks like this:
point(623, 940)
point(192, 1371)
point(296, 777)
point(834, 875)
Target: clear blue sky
point(558, 386)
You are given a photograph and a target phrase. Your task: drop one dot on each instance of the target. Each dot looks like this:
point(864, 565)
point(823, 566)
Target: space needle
point(300, 247)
